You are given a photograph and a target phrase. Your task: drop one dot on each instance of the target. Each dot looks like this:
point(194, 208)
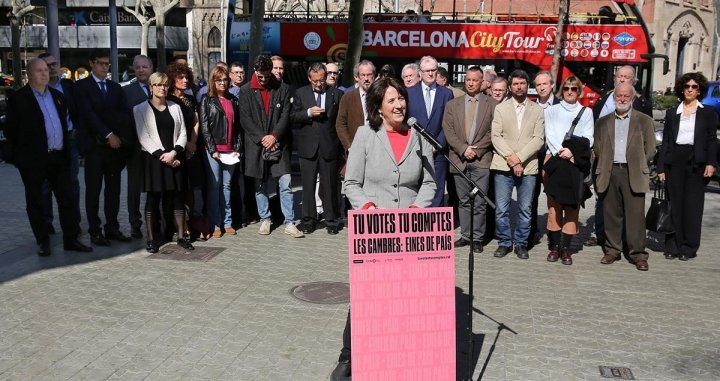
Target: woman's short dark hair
point(685, 78)
point(375, 96)
point(175, 70)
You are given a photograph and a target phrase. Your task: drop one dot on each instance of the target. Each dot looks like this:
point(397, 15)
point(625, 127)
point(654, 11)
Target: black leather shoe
point(185, 243)
point(684, 257)
point(307, 227)
point(152, 247)
point(332, 230)
point(117, 235)
point(462, 242)
point(669, 255)
point(136, 233)
point(477, 247)
point(592, 241)
point(99, 240)
point(521, 252)
point(502, 251)
point(44, 249)
point(75, 245)
point(343, 371)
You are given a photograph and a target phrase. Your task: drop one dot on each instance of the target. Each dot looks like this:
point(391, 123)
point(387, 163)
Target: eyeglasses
point(574, 89)
point(224, 80)
point(332, 73)
point(691, 86)
point(429, 70)
point(102, 63)
point(51, 64)
point(317, 82)
point(261, 76)
point(159, 85)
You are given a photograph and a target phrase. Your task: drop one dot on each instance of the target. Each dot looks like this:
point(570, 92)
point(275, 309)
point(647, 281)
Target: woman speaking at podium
point(389, 166)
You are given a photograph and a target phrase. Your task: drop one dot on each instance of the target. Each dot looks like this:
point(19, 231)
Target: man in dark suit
point(426, 103)
point(136, 92)
point(315, 109)
point(67, 88)
point(352, 112)
point(467, 123)
point(37, 129)
point(104, 112)
point(606, 106)
point(624, 145)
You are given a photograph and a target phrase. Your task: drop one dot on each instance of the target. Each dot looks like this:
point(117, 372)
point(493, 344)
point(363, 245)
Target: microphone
point(412, 122)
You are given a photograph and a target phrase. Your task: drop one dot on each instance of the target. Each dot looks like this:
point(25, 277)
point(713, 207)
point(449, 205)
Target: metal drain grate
point(322, 292)
point(616, 372)
point(177, 253)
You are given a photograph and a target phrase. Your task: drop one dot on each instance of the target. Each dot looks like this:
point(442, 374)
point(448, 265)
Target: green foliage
point(664, 102)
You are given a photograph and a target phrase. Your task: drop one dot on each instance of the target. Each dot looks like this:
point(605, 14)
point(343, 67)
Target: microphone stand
point(474, 192)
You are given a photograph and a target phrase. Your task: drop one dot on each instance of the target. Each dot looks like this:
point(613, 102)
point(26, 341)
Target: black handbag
point(658, 218)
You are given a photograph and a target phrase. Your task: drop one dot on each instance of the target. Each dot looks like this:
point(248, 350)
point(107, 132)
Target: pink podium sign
point(402, 294)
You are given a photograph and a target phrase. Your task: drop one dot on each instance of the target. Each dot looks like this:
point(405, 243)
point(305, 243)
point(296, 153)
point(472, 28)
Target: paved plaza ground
point(116, 314)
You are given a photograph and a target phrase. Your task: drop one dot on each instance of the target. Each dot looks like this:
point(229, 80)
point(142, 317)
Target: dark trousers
point(75, 184)
point(57, 174)
point(134, 187)
point(346, 349)
point(329, 191)
point(481, 177)
point(534, 228)
point(624, 211)
point(441, 169)
point(686, 192)
point(103, 165)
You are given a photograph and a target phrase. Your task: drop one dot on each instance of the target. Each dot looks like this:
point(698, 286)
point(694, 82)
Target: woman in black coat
point(687, 159)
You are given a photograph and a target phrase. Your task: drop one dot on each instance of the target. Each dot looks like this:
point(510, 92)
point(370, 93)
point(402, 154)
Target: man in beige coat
point(518, 133)
point(466, 122)
point(624, 144)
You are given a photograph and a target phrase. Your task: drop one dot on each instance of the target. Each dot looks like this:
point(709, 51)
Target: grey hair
point(634, 92)
point(547, 73)
point(140, 57)
point(356, 69)
point(316, 67)
point(428, 59)
point(411, 65)
point(498, 80)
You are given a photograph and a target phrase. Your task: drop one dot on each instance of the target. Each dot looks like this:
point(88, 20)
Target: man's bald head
point(625, 74)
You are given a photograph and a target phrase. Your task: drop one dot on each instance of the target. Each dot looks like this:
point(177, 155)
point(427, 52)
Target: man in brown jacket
point(624, 144)
point(467, 122)
point(352, 106)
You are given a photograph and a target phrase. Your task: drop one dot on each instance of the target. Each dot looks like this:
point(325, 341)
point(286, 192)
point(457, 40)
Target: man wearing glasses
point(426, 103)
point(109, 135)
point(315, 109)
point(333, 76)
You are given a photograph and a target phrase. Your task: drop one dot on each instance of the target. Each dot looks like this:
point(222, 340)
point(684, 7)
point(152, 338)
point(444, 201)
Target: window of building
point(214, 38)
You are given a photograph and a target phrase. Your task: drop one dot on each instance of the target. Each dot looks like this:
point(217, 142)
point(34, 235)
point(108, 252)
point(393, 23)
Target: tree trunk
point(355, 40)
point(256, 34)
point(560, 32)
point(160, 37)
point(16, 62)
point(145, 28)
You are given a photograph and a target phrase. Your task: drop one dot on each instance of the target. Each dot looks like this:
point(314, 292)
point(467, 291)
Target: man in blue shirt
point(38, 131)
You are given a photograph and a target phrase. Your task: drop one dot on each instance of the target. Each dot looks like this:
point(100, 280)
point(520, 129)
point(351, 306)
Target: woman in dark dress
point(161, 130)
point(180, 78)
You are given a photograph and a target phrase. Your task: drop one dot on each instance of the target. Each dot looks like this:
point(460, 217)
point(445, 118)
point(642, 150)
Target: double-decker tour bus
point(591, 51)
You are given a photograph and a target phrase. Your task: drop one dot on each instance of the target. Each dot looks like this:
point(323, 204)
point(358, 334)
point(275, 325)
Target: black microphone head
point(412, 121)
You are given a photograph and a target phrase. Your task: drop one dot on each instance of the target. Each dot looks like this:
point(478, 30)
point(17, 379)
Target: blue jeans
point(504, 183)
point(75, 184)
point(286, 198)
point(218, 194)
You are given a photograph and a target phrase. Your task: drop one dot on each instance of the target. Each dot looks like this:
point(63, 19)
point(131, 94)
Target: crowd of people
point(208, 159)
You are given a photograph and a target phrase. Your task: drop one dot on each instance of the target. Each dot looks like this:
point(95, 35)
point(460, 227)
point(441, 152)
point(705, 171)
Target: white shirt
point(98, 80)
point(433, 90)
point(322, 101)
point(609, 106)
point(362, 100)
point(558, 120)
point(686, 132)
point(521, 112)
point(549, 102)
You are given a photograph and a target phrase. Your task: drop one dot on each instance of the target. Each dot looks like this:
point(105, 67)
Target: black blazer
point(640, 104)
point(705, 147)
point(318, 133)
point(102, 114)
point(25, 129)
